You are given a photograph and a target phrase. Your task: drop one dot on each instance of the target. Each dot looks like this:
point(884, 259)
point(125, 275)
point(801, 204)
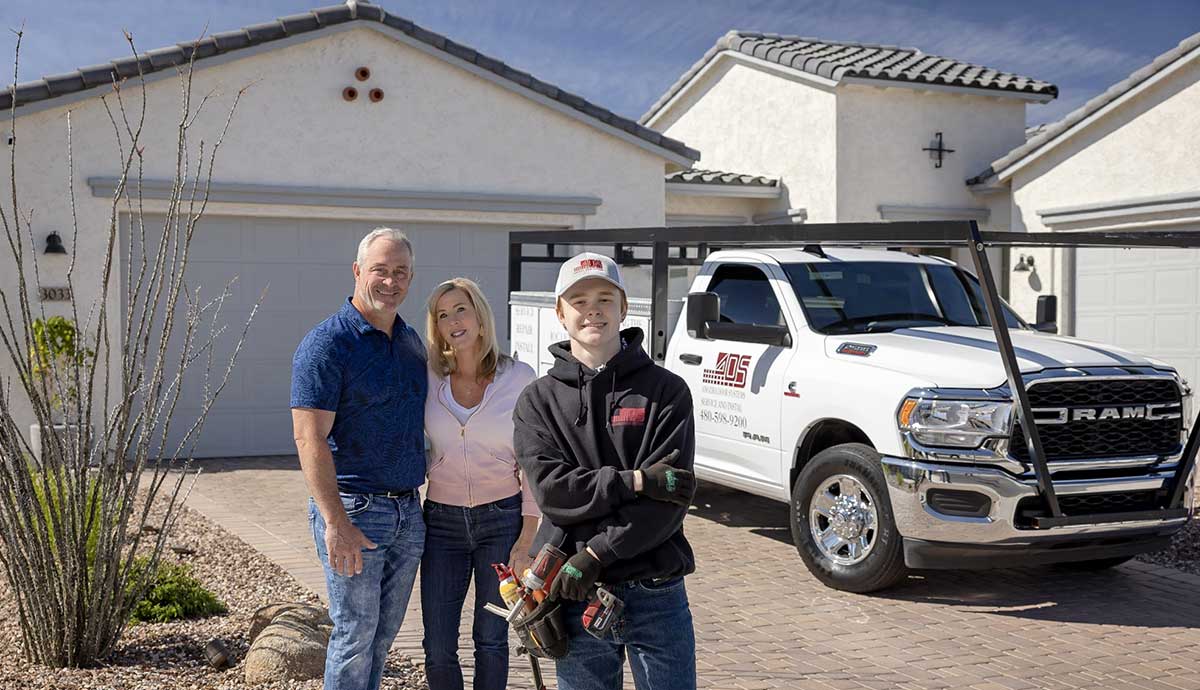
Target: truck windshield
point(875, 296)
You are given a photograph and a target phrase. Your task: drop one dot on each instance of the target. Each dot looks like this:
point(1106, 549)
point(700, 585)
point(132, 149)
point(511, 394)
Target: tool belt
point(542, 632)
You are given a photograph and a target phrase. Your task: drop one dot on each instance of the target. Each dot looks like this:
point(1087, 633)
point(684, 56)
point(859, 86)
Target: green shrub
point(55, 348)
point(52, 504)
point(173, 594)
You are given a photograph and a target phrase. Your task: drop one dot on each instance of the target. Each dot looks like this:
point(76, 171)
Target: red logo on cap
point(588, 265)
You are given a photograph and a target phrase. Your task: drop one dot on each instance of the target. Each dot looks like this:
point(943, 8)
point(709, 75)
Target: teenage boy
point(606, 441)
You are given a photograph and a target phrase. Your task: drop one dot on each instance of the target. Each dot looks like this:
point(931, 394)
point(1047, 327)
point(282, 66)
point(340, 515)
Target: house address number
point(56, 294)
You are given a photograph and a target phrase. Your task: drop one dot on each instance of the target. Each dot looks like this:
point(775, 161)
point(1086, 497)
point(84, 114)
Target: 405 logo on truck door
point(730, 370)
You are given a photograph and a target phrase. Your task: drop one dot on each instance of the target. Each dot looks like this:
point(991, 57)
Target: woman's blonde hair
point(441, 356)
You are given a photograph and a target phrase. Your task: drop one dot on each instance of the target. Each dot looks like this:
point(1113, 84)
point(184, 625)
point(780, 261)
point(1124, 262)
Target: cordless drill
point(603, 608)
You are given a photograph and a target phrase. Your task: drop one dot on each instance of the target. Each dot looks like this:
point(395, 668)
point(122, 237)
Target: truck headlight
point(954, 423)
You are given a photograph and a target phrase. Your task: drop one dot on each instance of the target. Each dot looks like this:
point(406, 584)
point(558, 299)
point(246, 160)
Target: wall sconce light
point(54, 244)
point(1024, 264)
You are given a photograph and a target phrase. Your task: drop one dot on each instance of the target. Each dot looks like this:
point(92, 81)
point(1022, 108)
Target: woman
point(478, 509)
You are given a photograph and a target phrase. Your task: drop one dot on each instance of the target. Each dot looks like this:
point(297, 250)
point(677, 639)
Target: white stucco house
point(1128, 159)
point(461, 149)
point(845, 132)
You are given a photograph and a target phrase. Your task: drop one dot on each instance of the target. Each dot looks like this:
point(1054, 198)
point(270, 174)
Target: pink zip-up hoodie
point(474, 463)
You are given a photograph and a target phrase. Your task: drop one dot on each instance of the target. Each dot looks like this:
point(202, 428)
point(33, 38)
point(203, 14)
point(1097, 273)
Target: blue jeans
point(367, 609)
point(654, 630)
point(461, 544)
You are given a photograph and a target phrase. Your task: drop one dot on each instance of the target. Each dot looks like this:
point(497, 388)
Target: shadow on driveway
point(1135, 594)
point(264, 462)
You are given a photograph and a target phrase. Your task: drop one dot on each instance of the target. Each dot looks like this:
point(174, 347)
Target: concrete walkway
point(763, 622)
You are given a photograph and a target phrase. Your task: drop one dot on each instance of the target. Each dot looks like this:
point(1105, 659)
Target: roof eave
point(1028, 96)
point(679, 90)
point(838, 77)
point(295, 29)
point(723, 189)
point(1003, 169)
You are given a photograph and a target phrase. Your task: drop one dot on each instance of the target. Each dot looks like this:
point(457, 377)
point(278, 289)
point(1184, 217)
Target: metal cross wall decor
point(937, 150)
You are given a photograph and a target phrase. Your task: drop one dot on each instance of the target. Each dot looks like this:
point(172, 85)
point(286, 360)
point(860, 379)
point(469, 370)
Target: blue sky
point(623, 54)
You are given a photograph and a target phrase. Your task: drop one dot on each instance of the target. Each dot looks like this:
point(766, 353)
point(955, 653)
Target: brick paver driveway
point(763, 622)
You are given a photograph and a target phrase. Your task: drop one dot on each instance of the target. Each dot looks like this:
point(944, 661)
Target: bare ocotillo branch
point(115, 455)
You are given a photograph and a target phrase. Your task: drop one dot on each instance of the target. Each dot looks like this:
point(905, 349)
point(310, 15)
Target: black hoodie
point(580, 434)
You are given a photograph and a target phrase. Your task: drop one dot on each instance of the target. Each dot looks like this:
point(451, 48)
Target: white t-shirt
point(462, 414)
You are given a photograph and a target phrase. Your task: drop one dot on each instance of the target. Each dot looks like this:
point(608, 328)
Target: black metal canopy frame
point(917, 234)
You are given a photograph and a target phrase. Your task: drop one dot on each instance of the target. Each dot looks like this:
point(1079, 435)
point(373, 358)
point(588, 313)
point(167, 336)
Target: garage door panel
point(278, 237)
point(1131, 289)
point(1175, 286)
point(1173, 332)
point(216, 239)
point(266, 384)
point(1131, 332)
point(1172, 257)
point(1094, 328)
point(321, 283)
point(1098, 286)
point(485, 244)
point(1145, 299)
point(270, 331)
point(279, 283)
point(436, 244)
point(305, 266)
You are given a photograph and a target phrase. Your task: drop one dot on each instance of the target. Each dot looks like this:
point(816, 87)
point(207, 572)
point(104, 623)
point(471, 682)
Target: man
point(358, 405)
point(606, 441)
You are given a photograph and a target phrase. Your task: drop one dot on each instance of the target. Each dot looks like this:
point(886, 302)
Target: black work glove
point(662, 482)
point(575, 578)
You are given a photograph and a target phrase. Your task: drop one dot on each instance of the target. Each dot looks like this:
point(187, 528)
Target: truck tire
point(842, 521)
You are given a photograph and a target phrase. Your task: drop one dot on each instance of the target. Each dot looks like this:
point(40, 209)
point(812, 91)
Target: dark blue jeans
point(461, 544)
point(367, 609)
point(654, 630)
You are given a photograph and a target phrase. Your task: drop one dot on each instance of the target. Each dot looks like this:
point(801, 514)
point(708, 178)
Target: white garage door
point(1145, 300)
point(304, 265)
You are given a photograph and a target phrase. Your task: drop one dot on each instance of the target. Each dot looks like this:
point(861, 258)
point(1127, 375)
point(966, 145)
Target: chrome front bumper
point(909, 480)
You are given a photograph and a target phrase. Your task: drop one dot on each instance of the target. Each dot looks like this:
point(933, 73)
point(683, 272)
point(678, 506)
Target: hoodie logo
point(730, 370)
point(629, 416)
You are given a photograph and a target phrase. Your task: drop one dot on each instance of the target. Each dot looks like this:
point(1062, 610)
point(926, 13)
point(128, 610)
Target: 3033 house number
point(55, 294)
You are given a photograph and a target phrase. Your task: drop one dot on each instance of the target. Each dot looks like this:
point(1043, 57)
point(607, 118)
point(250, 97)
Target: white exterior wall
point(881, 132)
point(750, 119)
point(715, 207)
point(1144, 147)
point(438, 128)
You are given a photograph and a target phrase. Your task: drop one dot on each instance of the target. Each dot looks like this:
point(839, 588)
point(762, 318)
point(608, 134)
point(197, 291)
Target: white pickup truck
point(865, 389)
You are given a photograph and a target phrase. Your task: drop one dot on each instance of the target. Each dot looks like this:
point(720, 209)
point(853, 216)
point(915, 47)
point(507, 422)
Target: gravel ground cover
point(1184, 553)
point(170, 656)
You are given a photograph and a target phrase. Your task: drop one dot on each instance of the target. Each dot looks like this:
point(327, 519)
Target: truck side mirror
point(702, 307)
point(1047, 314)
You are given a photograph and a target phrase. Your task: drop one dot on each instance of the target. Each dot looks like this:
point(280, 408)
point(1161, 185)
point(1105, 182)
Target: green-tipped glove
point(576, 577)
point(663, 482)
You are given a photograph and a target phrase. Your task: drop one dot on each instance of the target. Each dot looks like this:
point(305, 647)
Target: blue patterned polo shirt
point(376, 384)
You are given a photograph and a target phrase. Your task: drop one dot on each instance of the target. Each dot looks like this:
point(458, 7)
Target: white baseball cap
point(584, 266)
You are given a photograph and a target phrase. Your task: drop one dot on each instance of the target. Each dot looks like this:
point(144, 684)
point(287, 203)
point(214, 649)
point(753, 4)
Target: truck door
point(736, 386)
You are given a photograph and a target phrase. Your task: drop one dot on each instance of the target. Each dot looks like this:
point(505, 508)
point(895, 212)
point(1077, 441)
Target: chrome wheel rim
point(843, 519)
